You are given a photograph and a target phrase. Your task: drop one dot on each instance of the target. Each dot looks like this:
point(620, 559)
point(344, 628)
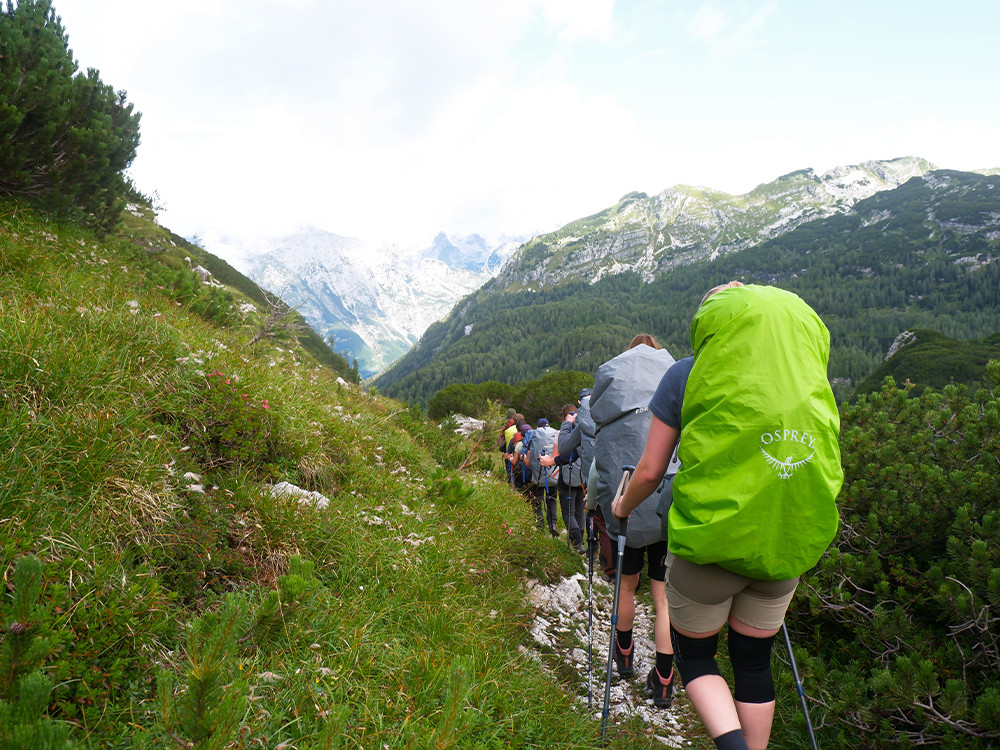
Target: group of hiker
point(541, 466)
point(722, 469)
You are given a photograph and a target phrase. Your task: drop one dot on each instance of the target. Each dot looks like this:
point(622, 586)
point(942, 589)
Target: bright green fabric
point(759, 441)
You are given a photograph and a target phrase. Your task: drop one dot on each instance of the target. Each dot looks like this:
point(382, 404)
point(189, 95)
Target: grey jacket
point(580, 437)
point(571, 473)
point(620, 408)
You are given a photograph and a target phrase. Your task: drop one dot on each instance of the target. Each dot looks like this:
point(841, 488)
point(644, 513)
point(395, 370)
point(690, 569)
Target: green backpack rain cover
point(756, 492)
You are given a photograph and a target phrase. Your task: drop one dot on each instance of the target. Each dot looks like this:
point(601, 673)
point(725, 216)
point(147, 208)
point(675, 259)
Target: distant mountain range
point(373, 302)
point(651, 235)
point(876, 249)
point(421, 319)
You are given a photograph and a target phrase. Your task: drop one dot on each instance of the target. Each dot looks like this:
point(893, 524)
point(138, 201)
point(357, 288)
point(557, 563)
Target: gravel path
point(560, 627)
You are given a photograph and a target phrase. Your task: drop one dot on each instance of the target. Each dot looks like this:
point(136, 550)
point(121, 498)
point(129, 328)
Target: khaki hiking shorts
point(701, 597)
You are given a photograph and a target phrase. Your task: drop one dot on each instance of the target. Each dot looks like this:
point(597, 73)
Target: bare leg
point(710, 696)
point(626, 602)
point(756, 719)
point(661, 629)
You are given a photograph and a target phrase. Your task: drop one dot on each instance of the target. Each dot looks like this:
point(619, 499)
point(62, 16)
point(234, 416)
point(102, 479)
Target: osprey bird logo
point(788, 439)
point(788, 466)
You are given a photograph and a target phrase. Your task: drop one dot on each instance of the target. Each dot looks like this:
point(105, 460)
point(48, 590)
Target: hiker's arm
point(651, 468)
point(570, 438)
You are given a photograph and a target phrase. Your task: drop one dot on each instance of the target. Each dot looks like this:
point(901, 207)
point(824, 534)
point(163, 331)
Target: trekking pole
point(798, 686)
point(622, 531)
point(591, 544)
point(545, 473)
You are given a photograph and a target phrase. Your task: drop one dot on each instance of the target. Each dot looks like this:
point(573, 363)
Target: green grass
point(225, 617)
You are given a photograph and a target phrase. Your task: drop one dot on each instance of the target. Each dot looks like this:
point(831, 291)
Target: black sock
point(664, 664)
point(624, 638)
point(733, 740)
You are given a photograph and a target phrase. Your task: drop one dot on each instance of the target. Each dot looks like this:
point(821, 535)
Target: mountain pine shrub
point(471, 400)
point(903, 620)
point(206, 711)
point(24, 689)
point(66, 138)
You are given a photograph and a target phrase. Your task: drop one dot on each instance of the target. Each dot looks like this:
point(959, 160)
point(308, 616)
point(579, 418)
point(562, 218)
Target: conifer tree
point(24, 689)
point(65, 138)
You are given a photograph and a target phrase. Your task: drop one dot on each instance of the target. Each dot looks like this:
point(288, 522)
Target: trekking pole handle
point(620, 493)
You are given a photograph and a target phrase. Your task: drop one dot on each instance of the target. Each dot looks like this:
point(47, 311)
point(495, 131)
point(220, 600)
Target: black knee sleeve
point(694, 657)
point(751, 660)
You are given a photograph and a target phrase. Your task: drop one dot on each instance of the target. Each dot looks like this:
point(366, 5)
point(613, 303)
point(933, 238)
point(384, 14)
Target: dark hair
point(567, 410)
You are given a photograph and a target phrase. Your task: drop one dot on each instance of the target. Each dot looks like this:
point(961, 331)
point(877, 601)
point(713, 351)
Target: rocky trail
point(560, 634)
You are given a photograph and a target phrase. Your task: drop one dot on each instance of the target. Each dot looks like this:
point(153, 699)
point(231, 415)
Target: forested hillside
point(928, 359)
point(924, 255)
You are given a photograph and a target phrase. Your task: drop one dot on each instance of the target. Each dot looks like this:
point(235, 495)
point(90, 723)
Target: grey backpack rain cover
point(619, 407)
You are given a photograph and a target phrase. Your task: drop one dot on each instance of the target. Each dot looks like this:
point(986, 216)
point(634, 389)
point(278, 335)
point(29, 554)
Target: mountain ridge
point(650, 235)
point(377, 302)
point(924, 254)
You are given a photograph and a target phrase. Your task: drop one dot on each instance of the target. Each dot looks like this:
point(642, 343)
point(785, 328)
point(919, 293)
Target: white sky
point(391, 120)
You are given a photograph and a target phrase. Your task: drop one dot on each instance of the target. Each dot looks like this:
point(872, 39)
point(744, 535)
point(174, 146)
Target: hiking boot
point(623, 660)
point(662, 692)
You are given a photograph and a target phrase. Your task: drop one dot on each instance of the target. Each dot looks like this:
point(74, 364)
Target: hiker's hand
point(547, 461)
point(571, 417)
point(616, 504)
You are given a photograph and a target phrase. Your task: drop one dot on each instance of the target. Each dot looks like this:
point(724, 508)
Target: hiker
point(503, 441)
point(571, 484)
point(517, 457)
point(512, 428)
point(584, 430)
point(618, 405)
point(756, 427)
point(544, 479)
point(581, 439)
point(504, 437)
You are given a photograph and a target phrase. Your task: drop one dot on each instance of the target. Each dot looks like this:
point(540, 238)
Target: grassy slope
point(392, 618)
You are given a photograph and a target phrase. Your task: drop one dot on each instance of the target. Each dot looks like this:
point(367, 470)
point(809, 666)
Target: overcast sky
point(390, 120)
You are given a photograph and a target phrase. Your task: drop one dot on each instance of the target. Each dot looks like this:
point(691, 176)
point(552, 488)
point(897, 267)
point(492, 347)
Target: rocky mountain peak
point(682, 224)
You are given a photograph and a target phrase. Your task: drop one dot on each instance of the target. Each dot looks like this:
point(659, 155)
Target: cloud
point(330, 110)
point(580, 19)
point(392, 120)
point(730, 32)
